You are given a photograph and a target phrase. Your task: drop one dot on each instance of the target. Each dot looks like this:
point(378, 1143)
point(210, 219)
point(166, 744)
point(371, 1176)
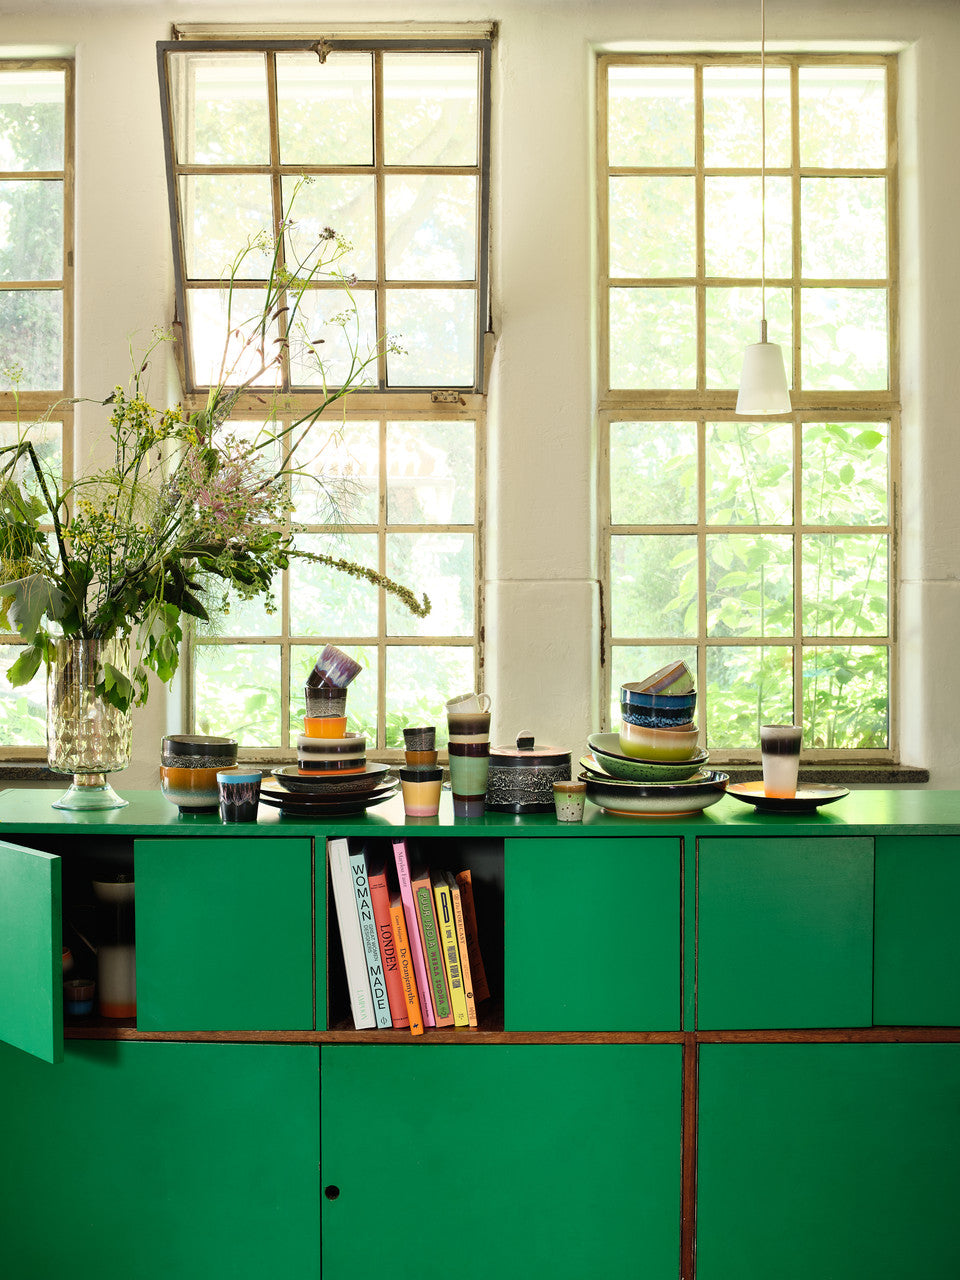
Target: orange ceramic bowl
point(325, 726)
point(191, 790)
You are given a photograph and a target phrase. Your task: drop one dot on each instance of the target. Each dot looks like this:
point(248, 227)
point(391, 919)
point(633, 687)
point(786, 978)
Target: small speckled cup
point(569, 799)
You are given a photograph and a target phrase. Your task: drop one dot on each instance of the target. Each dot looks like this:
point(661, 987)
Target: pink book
point(413, 931)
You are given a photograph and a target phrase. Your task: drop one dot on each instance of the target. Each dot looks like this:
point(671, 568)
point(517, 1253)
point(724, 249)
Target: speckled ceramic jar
point(521, 778)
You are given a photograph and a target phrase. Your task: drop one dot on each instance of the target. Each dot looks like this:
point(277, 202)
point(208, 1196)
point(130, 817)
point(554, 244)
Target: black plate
point(287, 802)
point(290, 778)
point(806, 800)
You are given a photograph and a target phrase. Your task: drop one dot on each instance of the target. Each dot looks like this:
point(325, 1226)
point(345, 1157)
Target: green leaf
point(27, 665)
point(847, 473)
point(32, 598)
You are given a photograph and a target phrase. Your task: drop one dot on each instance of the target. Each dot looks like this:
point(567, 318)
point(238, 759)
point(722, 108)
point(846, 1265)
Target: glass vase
point(86, 736)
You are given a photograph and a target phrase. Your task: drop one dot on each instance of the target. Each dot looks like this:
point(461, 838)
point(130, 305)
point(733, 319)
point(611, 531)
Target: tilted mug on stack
point(325, 747)
point(468, 746)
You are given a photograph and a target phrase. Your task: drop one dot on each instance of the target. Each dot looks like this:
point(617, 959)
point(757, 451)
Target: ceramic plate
point(591, 769)
point(607, 753)
point(290, 778)
point(805, 801)
point(656, 799)
point(328, 806)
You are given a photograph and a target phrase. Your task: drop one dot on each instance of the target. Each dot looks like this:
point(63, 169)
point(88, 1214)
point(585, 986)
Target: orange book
point(380, 900)
point(405, 965)
point(480, 989)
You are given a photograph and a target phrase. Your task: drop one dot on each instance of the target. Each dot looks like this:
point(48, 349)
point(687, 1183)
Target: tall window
point(393, 141)
point(36, 312)
point(761, 553)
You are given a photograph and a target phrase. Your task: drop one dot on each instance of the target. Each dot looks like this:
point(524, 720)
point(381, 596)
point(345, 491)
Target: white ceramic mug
point(469, 702)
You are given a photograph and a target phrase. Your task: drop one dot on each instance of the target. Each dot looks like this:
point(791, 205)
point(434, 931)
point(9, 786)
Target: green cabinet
point(592, 935)
point(917, 949)
point(834, 1161)
point(31, 983)
point(516, 1160)
point(785, 932)
point(142, 1160)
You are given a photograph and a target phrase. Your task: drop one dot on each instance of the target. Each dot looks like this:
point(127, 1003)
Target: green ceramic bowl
point(610, 758)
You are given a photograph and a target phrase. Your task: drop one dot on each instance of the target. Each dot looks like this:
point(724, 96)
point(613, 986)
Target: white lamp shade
point(763, 382)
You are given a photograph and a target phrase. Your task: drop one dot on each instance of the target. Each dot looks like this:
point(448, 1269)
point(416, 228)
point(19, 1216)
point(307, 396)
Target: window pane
point(635, 662)
point(346, 457)
point(431, 473)
point(845, 584)
point(749, 473)
point(650, 116)
point(653, 473)
point(653, 582)
point(431, 108)
point(32, 120)
point(653, 338)
point(733, 321)
point(325, 109)
point(652, 227)
point(437, 329)
point(220, 108)
point(209, 322)
point(342, 202)
point(431, 227)
point(31, 321)
point(47, 440)
point(441, 564)
point(233, 616)
point(31, 230)
point(843, 225)
point(419, 680)
point(749, 584)
point(845, 696)
point(23, 710)
point(733, 224)
point(362, 697)
point(221, 215)
point(327, 602)
point(845, 473)
point(843, 117)
point(731, 117)
point(747, 686)
point(329, 333)
point(844, 339)
point(238, 692)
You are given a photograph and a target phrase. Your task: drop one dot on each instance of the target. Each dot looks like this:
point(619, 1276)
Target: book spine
point(413, 931)
point(480, 989)
point(368, 933)
point(354, 957)
point(462, 948)
point(452, 968)
point(423, 893)
point(405, 965)
point(380, 897)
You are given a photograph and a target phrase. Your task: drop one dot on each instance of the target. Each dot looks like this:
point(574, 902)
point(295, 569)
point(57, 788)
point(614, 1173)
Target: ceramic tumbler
point(780, 753)
point(422, 737)
point(239, 795)
point(469, 769)
point(325, 701)
point(569, 800)
point(421, 791)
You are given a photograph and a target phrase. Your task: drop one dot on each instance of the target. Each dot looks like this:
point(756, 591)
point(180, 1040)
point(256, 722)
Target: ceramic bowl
point(191, 790)
point(332, 755)
point(607, 753)
point(656, 710)
point(324, 726)
point(290, 778)
point(197, 751)
point(661, 799)
point(645, 743)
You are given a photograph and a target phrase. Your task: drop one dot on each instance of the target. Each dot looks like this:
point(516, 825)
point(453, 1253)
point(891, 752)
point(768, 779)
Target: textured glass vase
point(86, 736)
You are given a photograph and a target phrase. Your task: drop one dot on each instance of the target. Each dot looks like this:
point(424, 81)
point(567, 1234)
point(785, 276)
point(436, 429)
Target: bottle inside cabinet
point(415, 936)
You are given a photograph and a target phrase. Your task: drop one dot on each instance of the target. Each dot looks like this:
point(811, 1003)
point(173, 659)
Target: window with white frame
point(392, 139)
point(762, 553)
point(36, 317)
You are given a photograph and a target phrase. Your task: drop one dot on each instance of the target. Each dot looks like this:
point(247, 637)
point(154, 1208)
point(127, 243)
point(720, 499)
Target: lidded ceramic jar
point(521, 777)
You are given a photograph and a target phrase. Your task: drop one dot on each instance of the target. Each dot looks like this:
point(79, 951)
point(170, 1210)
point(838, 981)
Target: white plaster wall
point(542, 659)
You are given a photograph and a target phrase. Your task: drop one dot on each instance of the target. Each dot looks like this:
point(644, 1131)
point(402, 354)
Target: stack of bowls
point(188, 770)
point(323, 756)
point(657, 726)
point(421, 776)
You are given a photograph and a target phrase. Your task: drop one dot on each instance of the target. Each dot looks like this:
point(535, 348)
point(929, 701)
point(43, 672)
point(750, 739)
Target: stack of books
point(409, 937)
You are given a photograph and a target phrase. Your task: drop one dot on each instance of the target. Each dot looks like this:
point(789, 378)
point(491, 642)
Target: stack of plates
point(294, 792)
point(624, 784)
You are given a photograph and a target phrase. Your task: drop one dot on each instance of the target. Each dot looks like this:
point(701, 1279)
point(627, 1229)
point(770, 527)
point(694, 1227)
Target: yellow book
point(462, 945)
point(447, 929)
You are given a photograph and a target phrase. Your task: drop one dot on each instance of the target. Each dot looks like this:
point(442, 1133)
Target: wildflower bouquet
point(189, 511)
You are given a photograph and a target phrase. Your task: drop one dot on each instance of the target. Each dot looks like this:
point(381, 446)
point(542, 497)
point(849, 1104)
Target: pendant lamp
point(763, 381)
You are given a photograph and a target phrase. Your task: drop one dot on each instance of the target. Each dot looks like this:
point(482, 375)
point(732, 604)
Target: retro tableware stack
point(468, 748)
point(421, 776)
point(654, 765)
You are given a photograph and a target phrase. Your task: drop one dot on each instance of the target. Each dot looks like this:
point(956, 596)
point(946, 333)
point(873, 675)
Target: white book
point(354, 956)
point(371, 943)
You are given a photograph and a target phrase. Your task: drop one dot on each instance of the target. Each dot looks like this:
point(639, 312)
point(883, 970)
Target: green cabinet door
point(135, 1161)
point(833, 1162)
point(224, 934)
point(31, 968)
point(500, 1161)
point(785, 933)
point(917, 943)
point(592, 935)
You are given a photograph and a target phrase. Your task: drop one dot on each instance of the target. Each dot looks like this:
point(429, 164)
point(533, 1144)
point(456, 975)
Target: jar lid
point(528, 752)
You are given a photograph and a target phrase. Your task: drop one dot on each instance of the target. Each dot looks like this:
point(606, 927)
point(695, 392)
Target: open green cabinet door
point(31, 966)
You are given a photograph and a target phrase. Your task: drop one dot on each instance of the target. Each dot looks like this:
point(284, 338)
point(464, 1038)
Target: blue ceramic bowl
point(635, 699)
point(655, 717)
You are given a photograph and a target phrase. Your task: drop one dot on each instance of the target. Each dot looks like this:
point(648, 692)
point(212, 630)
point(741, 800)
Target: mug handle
point(485, 701)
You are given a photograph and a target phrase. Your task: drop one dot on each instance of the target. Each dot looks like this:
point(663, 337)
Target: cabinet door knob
point(331, 1192)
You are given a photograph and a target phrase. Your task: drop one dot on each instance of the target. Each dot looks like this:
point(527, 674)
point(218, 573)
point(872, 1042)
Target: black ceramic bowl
point(197, 751)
